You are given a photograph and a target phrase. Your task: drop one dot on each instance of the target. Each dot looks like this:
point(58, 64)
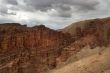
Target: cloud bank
point(53, 13)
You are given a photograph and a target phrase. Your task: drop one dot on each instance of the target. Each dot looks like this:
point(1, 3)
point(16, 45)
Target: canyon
point(29, 49)
point(40, 49)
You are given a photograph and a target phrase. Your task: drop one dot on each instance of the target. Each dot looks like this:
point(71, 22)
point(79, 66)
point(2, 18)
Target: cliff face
point(91, 33)
point(30, 49)
point(39, 49)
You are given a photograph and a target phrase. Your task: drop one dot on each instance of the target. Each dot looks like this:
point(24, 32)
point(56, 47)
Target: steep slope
point(98, 28)
point(85, 52)
point(92, 33)
point(96, 63)
point(87, 23)
point(29, 49)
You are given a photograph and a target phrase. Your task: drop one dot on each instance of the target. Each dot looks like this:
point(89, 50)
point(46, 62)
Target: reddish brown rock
point(98, 28)
point(38, 49)
point(91, 33)
point(30, 49)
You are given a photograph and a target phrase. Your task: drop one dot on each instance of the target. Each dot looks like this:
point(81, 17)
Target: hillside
point(83, 24)
point(96, 63)
point(94, 33)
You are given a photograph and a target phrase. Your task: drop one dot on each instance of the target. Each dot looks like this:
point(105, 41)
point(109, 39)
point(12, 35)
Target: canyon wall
point(30, 49)
point(39, 49)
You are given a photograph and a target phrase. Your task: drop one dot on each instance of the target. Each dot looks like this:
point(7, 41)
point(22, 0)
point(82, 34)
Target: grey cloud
point(39, 4)
point(62, 6)
point(6, 20)
point(65, 10)
point(47, 4)
point(3, 10)
point(13, 2)
point(4, 7)
point(88, 4)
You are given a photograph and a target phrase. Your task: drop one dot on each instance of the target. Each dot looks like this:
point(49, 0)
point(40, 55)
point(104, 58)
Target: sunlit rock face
point(30, 49)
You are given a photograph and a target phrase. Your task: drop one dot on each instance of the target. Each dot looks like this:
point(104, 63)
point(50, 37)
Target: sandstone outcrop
point(29, 49)
point(38, 49)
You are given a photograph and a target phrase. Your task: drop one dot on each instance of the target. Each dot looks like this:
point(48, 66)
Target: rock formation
point(77, 57)
point(29, 49)
point(91, 33)
point(39, 49)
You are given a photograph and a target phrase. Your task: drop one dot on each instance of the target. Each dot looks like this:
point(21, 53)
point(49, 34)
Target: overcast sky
point(53, 13)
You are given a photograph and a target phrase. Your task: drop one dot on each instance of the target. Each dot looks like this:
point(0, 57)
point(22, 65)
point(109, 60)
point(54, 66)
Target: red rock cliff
point(29, 49)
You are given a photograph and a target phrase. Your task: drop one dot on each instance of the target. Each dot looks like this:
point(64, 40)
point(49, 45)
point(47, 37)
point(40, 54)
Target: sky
point(55, 14)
